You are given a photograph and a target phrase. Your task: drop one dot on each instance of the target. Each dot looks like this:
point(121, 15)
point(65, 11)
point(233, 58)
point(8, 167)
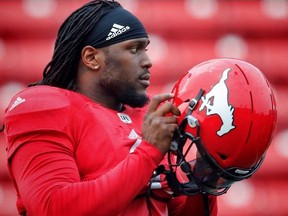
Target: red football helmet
point(228, 112)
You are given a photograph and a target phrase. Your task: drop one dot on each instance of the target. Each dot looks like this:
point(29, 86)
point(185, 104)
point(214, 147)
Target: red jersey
point(68, 155)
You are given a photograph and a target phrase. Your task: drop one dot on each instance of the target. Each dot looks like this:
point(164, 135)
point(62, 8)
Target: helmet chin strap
point(179, 135)
point(189, 188)
point(179, 140)
point(194, 102)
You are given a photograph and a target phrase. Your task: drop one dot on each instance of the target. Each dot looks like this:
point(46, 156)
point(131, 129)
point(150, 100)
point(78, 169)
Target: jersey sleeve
point(35, 112)
point(41, 153)
point(49, 183)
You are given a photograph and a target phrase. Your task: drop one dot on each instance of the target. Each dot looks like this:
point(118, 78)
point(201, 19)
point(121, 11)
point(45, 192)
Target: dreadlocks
point(61, 70)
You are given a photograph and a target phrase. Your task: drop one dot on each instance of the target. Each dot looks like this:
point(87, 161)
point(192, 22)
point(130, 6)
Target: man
point(79, 142)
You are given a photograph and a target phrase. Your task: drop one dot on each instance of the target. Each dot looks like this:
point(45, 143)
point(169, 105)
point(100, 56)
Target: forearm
point(49, 182)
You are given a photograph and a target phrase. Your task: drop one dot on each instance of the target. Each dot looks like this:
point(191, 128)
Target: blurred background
point(183, 33)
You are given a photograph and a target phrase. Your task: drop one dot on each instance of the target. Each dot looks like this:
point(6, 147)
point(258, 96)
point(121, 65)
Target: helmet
point(228, 112)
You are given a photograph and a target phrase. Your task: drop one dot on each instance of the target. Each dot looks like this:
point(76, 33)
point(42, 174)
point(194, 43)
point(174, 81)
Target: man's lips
point(144, 79)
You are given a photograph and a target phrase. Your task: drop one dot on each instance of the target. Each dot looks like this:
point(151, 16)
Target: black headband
point(114, 27)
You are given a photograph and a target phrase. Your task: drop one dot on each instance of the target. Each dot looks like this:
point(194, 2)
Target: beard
point(124, 92)
point(130, 97)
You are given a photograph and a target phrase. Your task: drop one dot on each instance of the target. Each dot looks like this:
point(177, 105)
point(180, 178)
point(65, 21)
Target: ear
point(91, 57)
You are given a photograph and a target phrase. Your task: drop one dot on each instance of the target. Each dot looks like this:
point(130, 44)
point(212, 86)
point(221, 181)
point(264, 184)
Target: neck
point(103, 101)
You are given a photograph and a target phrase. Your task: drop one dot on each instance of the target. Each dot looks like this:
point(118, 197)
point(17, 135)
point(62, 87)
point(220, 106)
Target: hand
point(160, 122)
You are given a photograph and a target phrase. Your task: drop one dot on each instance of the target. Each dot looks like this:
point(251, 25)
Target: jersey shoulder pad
point(40, 98)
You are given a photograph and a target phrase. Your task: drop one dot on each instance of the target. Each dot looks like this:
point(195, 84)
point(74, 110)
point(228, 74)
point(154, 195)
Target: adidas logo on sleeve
point(117, 30)
point(17, 102)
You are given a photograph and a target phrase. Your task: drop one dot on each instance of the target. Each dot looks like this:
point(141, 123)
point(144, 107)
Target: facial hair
point(131, 98)
point(124, 92)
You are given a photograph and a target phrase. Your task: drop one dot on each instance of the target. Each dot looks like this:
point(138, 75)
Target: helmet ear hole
point(223, 156)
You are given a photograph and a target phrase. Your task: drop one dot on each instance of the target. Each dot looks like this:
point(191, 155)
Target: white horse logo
point(216, 102)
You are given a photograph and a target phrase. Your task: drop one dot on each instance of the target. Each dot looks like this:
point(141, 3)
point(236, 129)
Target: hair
point(62, 69)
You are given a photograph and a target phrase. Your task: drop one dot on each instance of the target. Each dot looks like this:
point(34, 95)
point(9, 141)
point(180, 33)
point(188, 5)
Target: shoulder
point(43, 108)
point(42, 98)
point(42, 113)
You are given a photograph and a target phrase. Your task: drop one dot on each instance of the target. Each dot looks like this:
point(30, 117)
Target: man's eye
point(137, 49)
point(134, 49)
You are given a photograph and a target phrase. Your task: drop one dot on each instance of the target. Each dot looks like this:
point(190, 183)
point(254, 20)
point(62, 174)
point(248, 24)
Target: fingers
point(159, 131)
point(160, 122)
point(167, 108)
point(157, 100)
point(164, 122)
point(169, 119)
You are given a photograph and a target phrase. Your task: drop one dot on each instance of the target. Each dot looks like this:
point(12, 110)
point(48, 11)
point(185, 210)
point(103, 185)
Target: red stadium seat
point(254, 198)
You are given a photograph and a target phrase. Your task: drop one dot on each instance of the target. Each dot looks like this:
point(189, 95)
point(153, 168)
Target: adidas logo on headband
point(116, 30)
